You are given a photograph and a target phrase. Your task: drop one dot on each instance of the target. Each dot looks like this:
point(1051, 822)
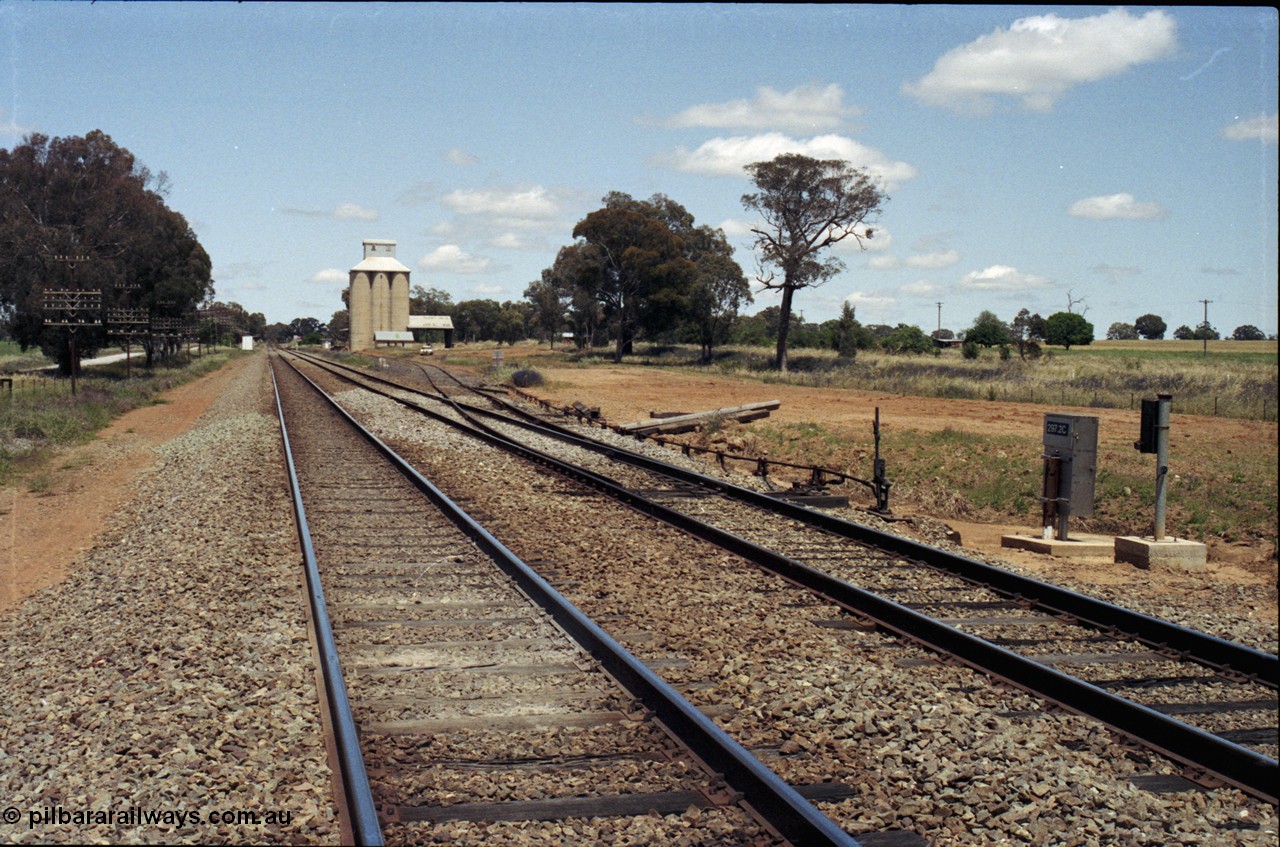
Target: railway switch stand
point(879, 482)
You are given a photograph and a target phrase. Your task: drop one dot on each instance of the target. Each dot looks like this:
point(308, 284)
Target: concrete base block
point(1177, 553)
point(1078, 546)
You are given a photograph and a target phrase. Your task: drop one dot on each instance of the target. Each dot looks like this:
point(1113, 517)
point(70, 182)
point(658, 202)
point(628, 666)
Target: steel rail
point(1200, 647)
point(1211, 650)
point(363, 812)
point(776, 802)
point(1231, 762)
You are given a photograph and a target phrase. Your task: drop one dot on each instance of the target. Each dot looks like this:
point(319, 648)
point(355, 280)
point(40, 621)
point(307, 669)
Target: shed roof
point(430, 322)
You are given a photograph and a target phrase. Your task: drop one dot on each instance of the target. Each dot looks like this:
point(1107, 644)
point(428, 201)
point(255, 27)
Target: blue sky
point(1122, 157)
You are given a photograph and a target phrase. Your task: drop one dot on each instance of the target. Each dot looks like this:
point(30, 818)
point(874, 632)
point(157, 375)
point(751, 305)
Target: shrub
point(526, 378)
point(969, 350)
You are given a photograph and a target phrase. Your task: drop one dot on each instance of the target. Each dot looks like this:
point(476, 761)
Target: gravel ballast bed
point(932, 749)
point(171, 672)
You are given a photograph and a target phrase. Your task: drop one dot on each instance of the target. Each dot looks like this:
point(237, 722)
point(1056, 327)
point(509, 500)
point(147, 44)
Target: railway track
point(471, 708)
point(1203, 701)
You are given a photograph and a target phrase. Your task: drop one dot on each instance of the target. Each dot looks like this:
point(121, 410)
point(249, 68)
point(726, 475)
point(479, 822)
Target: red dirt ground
point(44, 533)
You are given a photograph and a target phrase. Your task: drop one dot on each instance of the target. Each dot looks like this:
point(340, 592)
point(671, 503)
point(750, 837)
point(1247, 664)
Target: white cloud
point(516, 202)
point(1002, 278)
point(458, 156)
point(922, 288)
point(450, 258)
point(354, 212)
point(330, 276)
point(806, 108)
point(1039, 58)
point(1111, 207)
point(514, 241)
point(1262, 128)
point(883, 263)
point(877, 305)
point(512, 208)
point(343, 212)
point(728, 156)
point(737, 227)
point(933, 261)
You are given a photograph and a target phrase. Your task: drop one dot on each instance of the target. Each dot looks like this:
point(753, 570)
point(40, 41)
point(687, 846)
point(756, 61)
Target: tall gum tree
point(807, 205)
point(635, 264)
point(87, 196)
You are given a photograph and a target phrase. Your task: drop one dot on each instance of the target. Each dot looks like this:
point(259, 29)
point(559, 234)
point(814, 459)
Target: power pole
point(939, 316)
point(1204, 328)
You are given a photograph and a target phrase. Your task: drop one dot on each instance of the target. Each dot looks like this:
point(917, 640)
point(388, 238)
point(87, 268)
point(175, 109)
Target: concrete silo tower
point(378, 299)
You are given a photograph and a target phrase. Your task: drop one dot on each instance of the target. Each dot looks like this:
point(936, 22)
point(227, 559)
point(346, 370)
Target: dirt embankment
point(45, 531)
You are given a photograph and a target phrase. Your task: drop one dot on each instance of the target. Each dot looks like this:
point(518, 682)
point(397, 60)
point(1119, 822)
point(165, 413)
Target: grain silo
point(378, 299)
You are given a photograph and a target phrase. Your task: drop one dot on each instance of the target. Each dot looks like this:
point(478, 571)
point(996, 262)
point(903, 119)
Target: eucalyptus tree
point(1150, 327)
point(633, 264)
point(807, 205)
point(1026, 331)
point(988, 330)
point(550, 303)
point(1068, 329)
point(86, 203)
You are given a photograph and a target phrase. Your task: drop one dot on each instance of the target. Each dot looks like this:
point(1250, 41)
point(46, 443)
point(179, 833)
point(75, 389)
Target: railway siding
point(1064, 769)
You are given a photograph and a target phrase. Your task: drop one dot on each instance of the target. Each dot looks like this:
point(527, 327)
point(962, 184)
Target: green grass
point(1226, 491)
point(13, 359)
point(43, 415)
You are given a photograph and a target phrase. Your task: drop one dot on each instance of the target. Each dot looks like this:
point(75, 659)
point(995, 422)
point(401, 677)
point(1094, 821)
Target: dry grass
point(1236, 379)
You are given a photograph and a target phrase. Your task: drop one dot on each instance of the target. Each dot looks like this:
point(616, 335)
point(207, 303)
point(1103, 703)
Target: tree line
point(82, 215)
point(1153, 327)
